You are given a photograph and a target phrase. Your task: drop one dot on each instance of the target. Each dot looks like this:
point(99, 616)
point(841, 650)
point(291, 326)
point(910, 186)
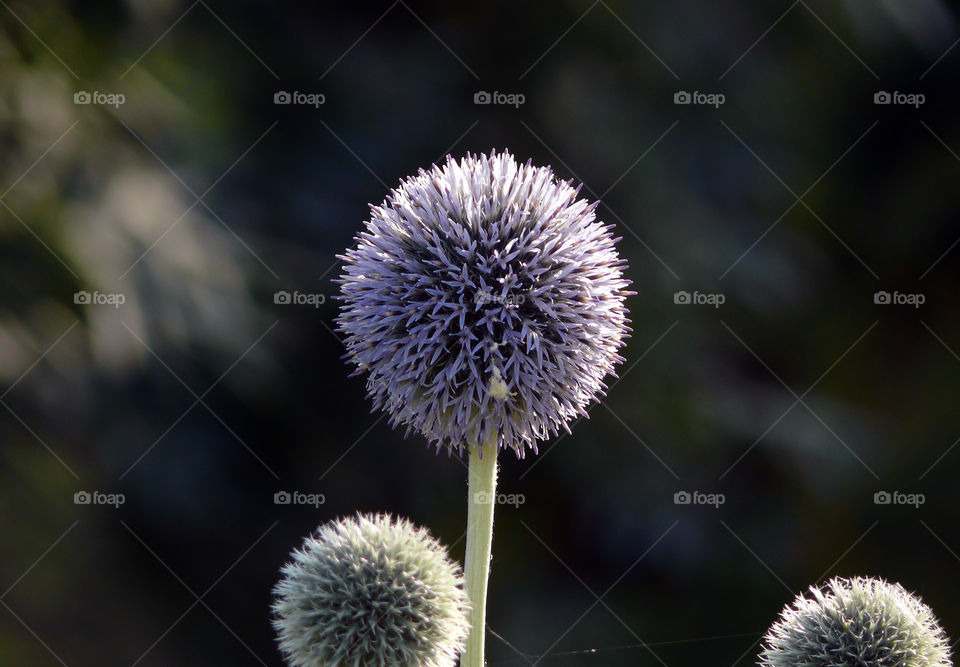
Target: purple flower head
point(485, 301)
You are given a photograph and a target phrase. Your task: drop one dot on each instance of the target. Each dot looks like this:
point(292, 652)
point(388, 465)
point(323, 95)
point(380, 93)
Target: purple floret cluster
point(485, 302)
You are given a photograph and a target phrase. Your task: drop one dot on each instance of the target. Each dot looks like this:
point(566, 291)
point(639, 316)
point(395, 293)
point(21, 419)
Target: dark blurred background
point(194, 199)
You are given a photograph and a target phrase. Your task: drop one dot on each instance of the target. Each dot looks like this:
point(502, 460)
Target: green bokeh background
point(199, 398)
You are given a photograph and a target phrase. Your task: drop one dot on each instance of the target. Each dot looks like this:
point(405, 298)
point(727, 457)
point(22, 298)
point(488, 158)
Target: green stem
point(481, 499)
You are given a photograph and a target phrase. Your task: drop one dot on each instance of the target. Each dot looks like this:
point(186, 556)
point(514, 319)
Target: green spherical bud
point(859, 622)
point(370, 591)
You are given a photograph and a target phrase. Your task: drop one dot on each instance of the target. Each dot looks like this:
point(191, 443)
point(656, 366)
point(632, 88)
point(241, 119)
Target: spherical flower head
point(371, 591)
point(860, 622)
point(485, 301)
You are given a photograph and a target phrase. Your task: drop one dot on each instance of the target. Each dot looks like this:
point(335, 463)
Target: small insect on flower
point(859, 622)
point(486, 303)
point(371, 591)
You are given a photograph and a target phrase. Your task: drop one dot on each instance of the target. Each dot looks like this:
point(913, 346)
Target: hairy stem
point(481, 499)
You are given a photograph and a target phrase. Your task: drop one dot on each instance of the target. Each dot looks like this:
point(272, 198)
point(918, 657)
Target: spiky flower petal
point(371, 591)
point(859, 622)
point(485, 301)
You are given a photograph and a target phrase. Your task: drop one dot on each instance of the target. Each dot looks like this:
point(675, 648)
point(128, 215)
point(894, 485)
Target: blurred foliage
point(199, 397)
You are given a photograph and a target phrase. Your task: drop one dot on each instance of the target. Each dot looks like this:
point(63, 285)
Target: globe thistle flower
point(485, 301)
point(858, 622)
point(370, 591)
